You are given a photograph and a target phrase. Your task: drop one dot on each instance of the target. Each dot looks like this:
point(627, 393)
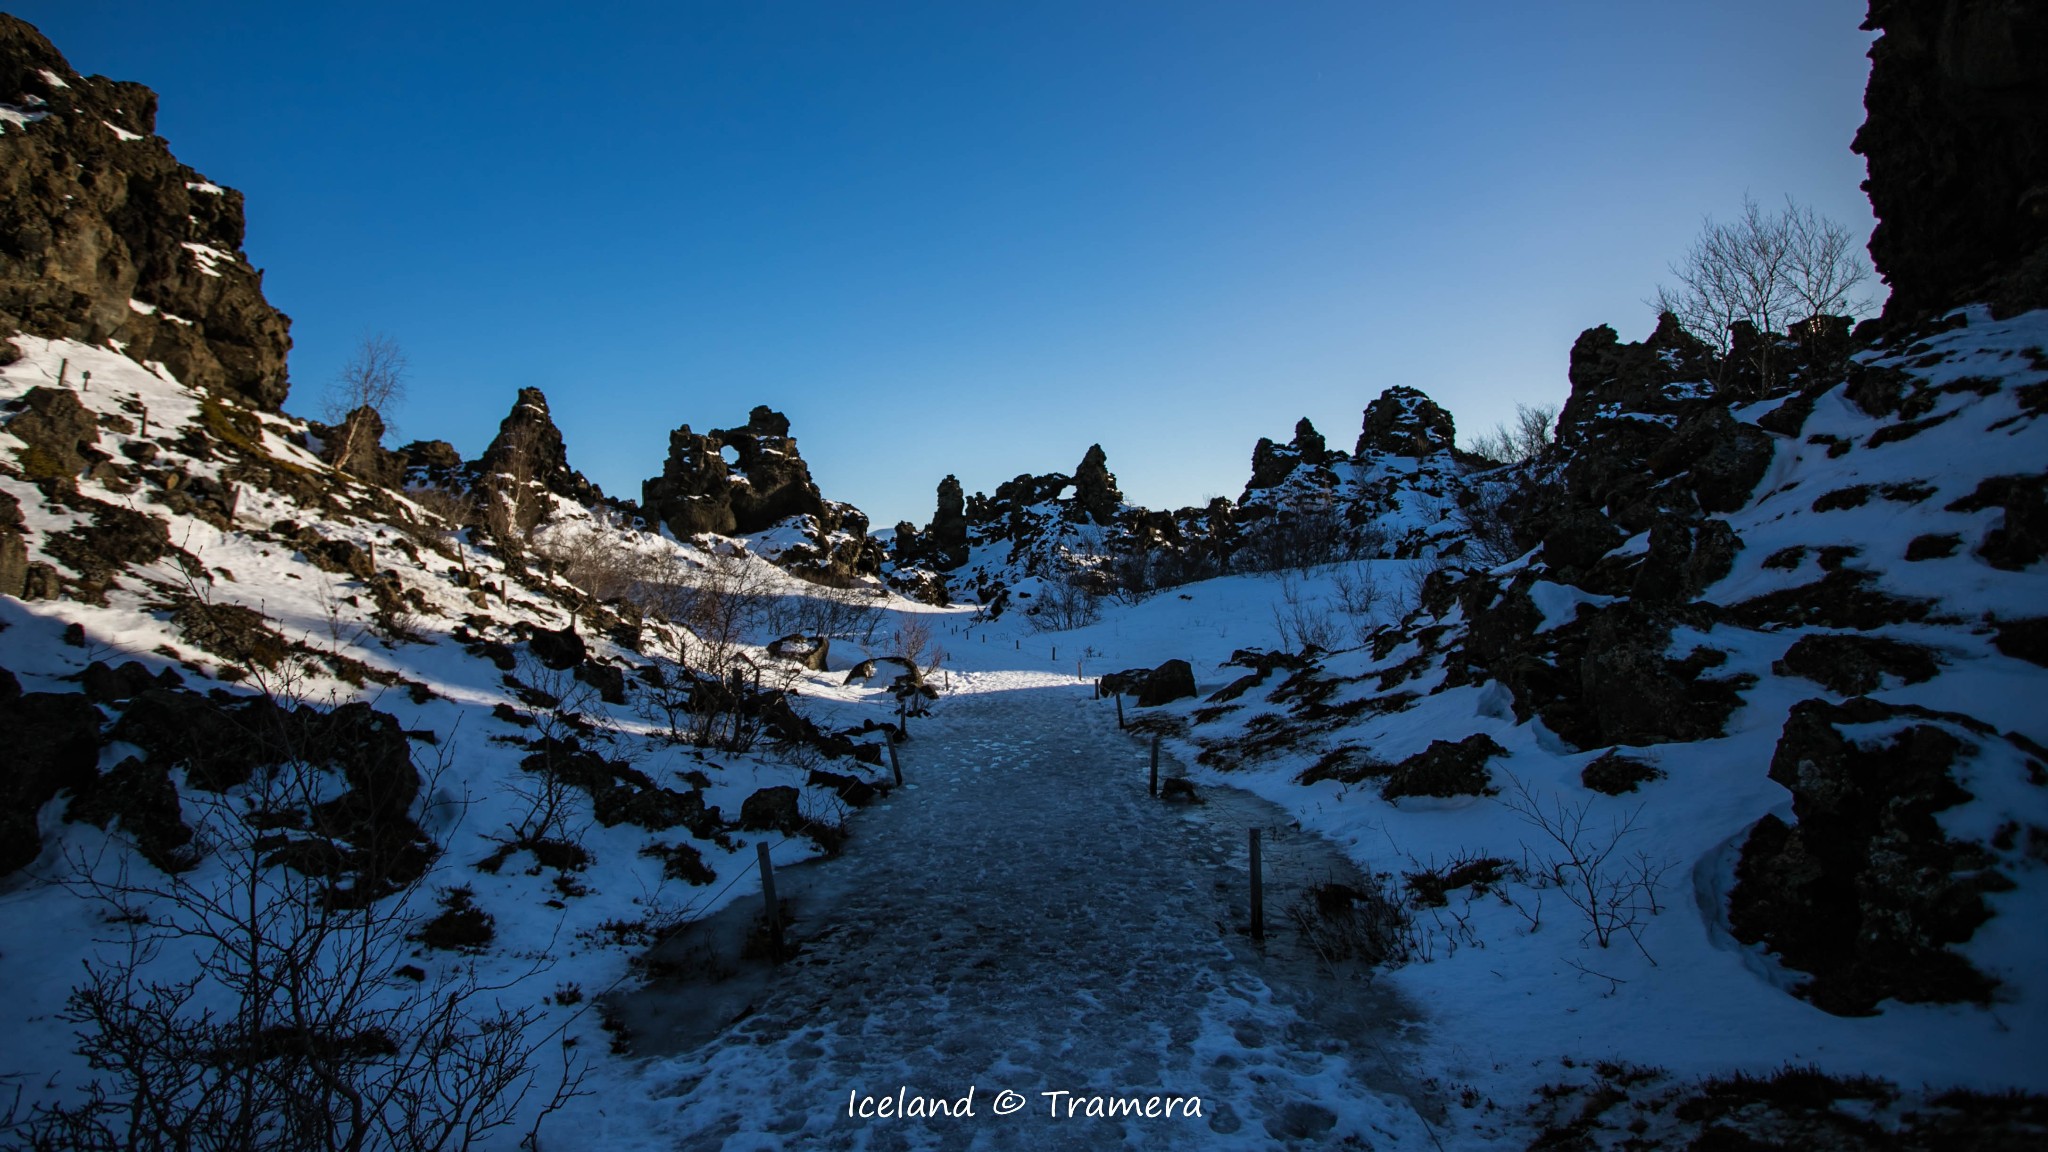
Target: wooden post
point(1119, 711)
point(85, 381)
point(1154, 787)
point(895, 765)
point(63, 368)
point(1258, 893)
point(775, 906)
point(1055, 651)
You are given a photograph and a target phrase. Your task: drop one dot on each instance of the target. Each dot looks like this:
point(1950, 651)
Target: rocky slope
point(109, 241)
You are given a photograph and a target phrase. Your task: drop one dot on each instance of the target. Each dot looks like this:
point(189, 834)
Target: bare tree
point(1520, 442)
point(372, 378)
point(1770, 270)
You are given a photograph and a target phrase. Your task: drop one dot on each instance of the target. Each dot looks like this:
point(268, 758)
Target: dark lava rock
point(766, 482)
point(621, 793)
point(1405, 422)
point(145, 802)
point(1956, 140)
point(105, 685)
point(1722, 458)
point(2021, 538)
point(1853, 665)
point(772, 809)
point(96, 218)
point(852, 789)
point(559, 649)
point(356, 446)
point(949, 526)
point(53, 743)
point(1173, 680)
point(1866, 892)
point(811, 652)
point(231, 631)
point(2024, 639)
point(1445, 769)
point(523, 465)
point(1933, 546)
point(1616, 774)
point(1095, 490)
point(1274, 463)
point(1635, 694)
point(610, 682)
point(1844, 598)
point(57, 431)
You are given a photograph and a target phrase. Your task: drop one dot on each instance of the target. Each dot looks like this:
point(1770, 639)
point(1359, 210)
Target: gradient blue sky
point(976, 237)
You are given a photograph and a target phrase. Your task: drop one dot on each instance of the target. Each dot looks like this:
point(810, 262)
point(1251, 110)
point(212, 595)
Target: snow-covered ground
point(1021, 916)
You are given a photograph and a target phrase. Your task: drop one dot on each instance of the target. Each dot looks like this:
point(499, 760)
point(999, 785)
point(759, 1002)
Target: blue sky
point(976, 237)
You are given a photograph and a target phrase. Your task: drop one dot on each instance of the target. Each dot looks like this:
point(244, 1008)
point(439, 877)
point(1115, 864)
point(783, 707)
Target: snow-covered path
point(1024, 918)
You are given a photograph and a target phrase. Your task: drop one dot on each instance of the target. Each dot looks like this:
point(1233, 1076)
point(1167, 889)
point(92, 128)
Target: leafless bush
point(246, 1006)
point(373, 377)
point(850, 614)
point(1371, 924)
point(1067, 602)
point(1303, 621)
point(1616, 893)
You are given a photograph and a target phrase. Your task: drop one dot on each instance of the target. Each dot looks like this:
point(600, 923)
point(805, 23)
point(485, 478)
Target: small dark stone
point(1615, 773)
point(559, 650)
point(1853, 665)
point(1933, 546)
point(772, 809)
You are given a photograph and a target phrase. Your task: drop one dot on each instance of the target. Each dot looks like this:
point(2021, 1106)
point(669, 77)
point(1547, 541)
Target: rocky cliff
point(105, 238)
point(1957, 145)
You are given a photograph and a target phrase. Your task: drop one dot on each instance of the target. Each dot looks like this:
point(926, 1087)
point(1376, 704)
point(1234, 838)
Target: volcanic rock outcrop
point(1957, 145)
point(106, 238)
point(764, 482)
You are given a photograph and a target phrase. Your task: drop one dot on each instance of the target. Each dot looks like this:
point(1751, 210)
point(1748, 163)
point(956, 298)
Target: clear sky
point(975, 237)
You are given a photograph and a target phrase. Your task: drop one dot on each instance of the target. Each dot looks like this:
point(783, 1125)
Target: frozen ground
point(1023, 918)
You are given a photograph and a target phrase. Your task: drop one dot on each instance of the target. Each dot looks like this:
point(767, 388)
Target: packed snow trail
point(1024, 918)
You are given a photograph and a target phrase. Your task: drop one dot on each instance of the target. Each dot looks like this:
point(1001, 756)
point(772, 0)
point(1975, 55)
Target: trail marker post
point(1119, 711)
point(774, 906)
point(1153, 788)
point(895, 765)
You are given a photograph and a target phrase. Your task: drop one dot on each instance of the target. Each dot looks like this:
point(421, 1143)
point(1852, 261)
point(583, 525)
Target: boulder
point(1445, 769)
point(57, 431)
point(1853, 665)
point(1865, 891)
point(53, 744)
point(558, 648)
point(772, 809)
point(811, 652)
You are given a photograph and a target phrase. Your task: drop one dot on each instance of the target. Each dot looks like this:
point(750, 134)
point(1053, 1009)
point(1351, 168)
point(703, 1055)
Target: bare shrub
point(1616, 893)
point(1067, 602)
point(248, 1006)
point(1370, 924)
point(1303, 621)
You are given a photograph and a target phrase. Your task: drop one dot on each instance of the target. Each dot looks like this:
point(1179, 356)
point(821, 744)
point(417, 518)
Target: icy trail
point(1024, 917)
